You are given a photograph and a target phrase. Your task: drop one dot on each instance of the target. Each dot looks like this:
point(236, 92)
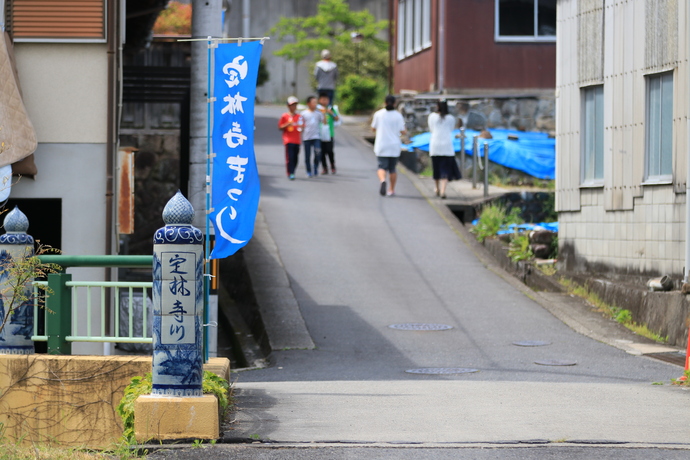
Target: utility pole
point(206, 22)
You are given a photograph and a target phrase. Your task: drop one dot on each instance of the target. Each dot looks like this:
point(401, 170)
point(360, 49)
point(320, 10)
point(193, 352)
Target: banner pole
point(207, 249)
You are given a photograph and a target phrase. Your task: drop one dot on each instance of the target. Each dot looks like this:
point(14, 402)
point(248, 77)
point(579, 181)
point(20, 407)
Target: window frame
point(588, 129)
point(413, 28)
point(520, 38)
point(661, 177)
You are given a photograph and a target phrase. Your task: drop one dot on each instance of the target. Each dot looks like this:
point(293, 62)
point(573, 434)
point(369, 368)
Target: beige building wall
point(65, 92)
point(623, 225)
point(65, 88)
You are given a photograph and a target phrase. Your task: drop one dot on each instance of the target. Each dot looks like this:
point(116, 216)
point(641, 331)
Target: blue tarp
point(532, 153)
point(550, 226)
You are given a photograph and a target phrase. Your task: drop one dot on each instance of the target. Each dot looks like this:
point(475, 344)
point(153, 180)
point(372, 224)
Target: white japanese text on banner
point(235, 181)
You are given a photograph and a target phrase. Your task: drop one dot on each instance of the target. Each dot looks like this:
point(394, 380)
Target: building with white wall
point(622, 145)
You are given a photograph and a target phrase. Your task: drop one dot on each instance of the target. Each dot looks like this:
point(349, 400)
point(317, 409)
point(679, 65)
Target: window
point(525, 20)
point(56, 20)
point(592, 135)
point(659, 127)
point(414, 27)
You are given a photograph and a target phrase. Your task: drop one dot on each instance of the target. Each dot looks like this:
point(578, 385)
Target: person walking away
point(331, 119)
point(311, 135)
point(441, 125)
point(290, 124)
point(389, 125)
point(326, 74)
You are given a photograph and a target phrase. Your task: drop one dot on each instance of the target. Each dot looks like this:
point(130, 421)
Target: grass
point(621, 315)
point(15, 452)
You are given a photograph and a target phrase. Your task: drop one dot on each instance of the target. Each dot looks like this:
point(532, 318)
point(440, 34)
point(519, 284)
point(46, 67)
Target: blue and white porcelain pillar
point(177, 302)
point(15, 338)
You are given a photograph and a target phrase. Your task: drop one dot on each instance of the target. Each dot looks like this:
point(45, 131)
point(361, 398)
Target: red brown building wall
point(474, 61)
point(417, 72)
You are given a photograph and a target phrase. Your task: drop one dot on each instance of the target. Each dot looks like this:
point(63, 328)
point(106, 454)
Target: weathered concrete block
point(165, 418)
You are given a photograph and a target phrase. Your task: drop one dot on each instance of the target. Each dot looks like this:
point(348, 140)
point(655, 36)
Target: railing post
point(475, 160)
point(486, 169)
point(59, 314)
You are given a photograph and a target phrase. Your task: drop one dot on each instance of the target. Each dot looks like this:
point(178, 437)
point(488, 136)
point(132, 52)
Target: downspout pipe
point(686, 278)
point(441, 45)
point(111, 141)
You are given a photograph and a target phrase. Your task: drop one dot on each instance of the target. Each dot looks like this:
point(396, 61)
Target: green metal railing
point(63, 311)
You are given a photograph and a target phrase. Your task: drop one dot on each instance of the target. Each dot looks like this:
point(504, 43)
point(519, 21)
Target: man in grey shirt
point(326, 74)
point(311, 135)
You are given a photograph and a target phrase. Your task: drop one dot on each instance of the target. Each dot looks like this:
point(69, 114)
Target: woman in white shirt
point(441, 125)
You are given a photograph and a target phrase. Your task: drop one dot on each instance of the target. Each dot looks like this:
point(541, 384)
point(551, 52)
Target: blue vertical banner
point(235, 181)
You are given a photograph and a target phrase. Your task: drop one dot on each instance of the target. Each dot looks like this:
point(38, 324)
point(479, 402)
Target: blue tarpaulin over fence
point(550, 226)
point(532, 153)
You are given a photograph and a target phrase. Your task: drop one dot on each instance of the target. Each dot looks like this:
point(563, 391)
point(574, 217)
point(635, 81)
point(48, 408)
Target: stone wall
point(534, 113)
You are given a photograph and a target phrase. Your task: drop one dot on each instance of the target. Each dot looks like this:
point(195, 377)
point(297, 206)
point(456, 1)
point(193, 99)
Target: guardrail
point(63, 309)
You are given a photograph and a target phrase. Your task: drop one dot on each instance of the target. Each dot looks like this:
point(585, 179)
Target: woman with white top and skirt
point(441, 125)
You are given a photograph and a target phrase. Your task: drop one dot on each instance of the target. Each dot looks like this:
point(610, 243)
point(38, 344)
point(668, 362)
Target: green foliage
point(211, 384)
point(263, 75)
point(359, 94)
point(139, 386)
point(519, 248)
point(331, 28)
point(493, 217)
point(612, 311)
point(624, 317)
point(20, 272)
point(682, 381)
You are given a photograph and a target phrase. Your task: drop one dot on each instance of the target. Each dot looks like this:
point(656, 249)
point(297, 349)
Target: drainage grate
point(674, 357)
point(442, 370)
point(555, 362)
point(420, 327)
point(531, 343)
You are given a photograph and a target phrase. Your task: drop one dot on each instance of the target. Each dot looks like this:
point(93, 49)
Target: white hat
point(292, 100)
point(325, 54)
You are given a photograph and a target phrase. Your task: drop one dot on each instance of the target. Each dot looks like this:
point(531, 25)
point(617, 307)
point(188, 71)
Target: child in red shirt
point(290, 124)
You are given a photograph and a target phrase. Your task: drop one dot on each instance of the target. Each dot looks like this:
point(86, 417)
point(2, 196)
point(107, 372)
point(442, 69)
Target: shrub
point(491, 220)
point(211, 384)
point(359, 94)
point(519, 248)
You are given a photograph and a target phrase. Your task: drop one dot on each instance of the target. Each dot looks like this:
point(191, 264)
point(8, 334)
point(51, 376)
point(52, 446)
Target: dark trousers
point(328, 92)
point(291, 156)
point(327, 153)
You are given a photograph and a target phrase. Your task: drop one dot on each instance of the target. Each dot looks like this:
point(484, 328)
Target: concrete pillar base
point(164, 418)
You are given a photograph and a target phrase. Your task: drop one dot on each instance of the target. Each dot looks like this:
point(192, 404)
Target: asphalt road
point(358, 263)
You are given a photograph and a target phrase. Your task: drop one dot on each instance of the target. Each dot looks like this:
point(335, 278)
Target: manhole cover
point(531, 343)
point(442, 370)
point(555, 362)
point(420, 327)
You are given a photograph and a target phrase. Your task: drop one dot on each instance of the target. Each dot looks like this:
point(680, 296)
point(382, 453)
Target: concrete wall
point(285, 78)
point(70, 400)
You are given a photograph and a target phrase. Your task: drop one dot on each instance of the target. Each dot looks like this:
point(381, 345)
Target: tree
point(176, 19)
point(332, 28)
